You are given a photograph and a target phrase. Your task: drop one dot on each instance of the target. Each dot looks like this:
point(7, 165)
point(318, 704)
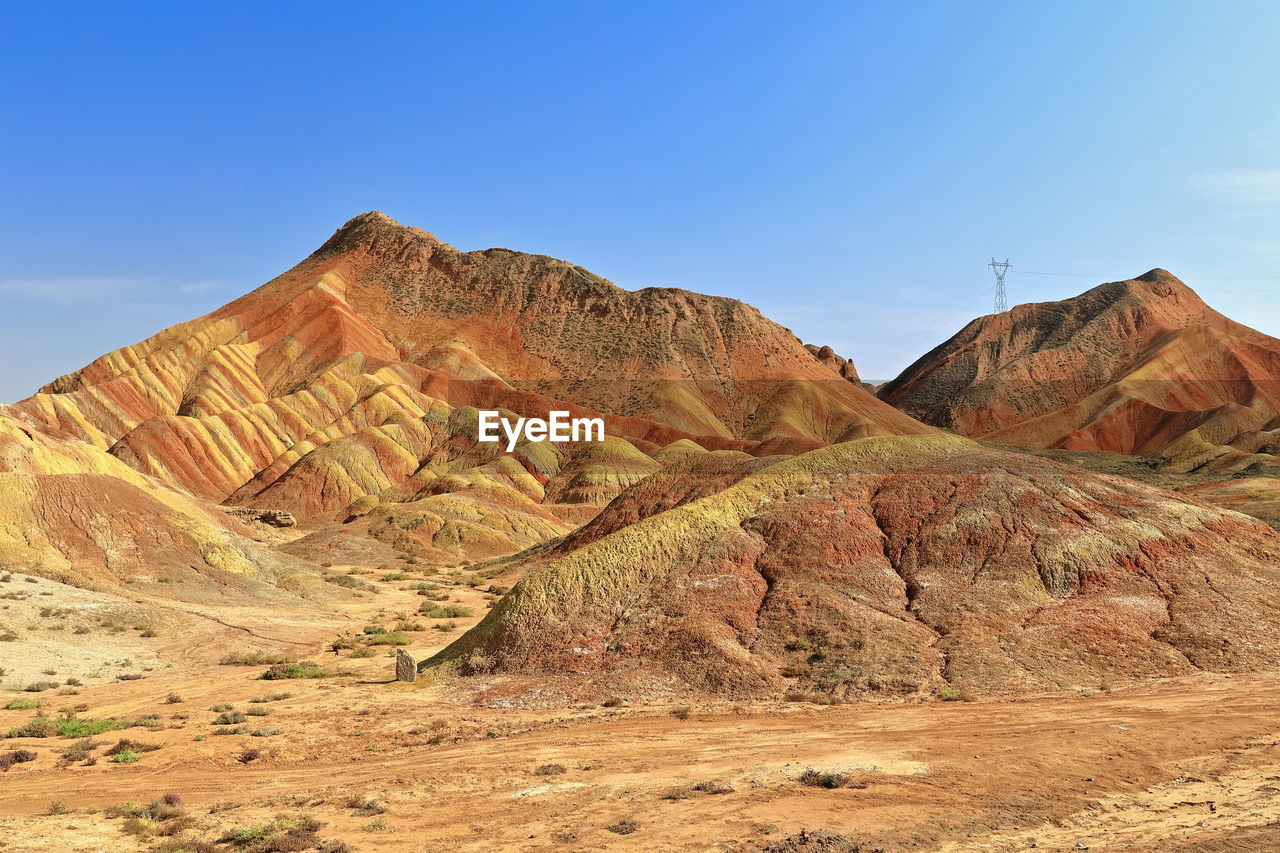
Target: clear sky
point(848, 167)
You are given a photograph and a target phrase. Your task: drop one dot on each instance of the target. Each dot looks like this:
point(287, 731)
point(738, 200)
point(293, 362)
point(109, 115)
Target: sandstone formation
point(891, 564)
point(71, 512)
point(835, 361)
point(1137, 367)
point(355, 378)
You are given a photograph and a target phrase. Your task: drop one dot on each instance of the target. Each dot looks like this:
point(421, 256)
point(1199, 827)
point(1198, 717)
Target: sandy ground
point(1185, 765)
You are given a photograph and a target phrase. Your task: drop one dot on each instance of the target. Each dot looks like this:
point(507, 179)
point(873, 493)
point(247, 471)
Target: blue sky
point(847, 167)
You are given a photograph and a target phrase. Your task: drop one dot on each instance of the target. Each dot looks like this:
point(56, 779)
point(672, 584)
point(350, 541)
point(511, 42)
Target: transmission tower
point(1001, 269)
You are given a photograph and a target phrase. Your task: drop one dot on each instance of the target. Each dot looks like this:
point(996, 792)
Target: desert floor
point(1179, 766)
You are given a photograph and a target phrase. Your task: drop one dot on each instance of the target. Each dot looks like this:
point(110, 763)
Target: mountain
point(355, 377)
point(894, 565)
point(1141, 366)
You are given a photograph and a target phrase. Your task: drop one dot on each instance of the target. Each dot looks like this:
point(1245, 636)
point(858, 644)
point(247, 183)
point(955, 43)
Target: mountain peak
point(1159, 274)
point(374, 231)
point(1157, 289)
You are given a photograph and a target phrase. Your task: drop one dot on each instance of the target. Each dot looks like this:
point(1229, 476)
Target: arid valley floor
point(1188, 764)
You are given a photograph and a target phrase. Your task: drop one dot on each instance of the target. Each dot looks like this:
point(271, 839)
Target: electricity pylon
point(1000, 268)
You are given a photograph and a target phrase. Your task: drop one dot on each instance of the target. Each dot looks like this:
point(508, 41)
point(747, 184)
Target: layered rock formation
point(1137, 367)
point(888, 564)
point(74, 513)
point(357, 375)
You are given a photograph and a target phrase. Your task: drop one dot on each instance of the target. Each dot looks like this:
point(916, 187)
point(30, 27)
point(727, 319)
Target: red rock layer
point(897, 565)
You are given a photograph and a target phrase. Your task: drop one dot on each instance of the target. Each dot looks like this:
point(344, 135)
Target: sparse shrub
point(80, 750)
point(611, 702)
point(950, 694)
point(150, 721)
point(35, 727)
point(249, 755)
point(677, 794)
point(221, 706)
point(41, 686)
point(172, 699)
point(452, 611)
point(302, 669)
point(681, 712)
point(266, 731)
point(72, 726)
point(127, 756)
point(395, 576)
point(363, 653)
point(333, 845)
point(229, 718)
point(136, 746)
point(252, 658)
point(549, 770)
point(148, 632)
point(23, 704)
point(391, 638)
point(129, 677)
point(57, 807)
point(17, 756)
point(270, 697)
point(232, 730)
point(626, 826)
point(82, 629)
point(258, 711)
point(280, 835)
point(795, 670)
point(366, 806)
point(823, 778)
point(348, 582)
point(798, 644)
point(711, 786)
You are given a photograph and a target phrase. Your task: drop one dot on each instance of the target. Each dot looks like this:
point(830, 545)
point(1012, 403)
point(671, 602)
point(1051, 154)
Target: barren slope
point(891, 564)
